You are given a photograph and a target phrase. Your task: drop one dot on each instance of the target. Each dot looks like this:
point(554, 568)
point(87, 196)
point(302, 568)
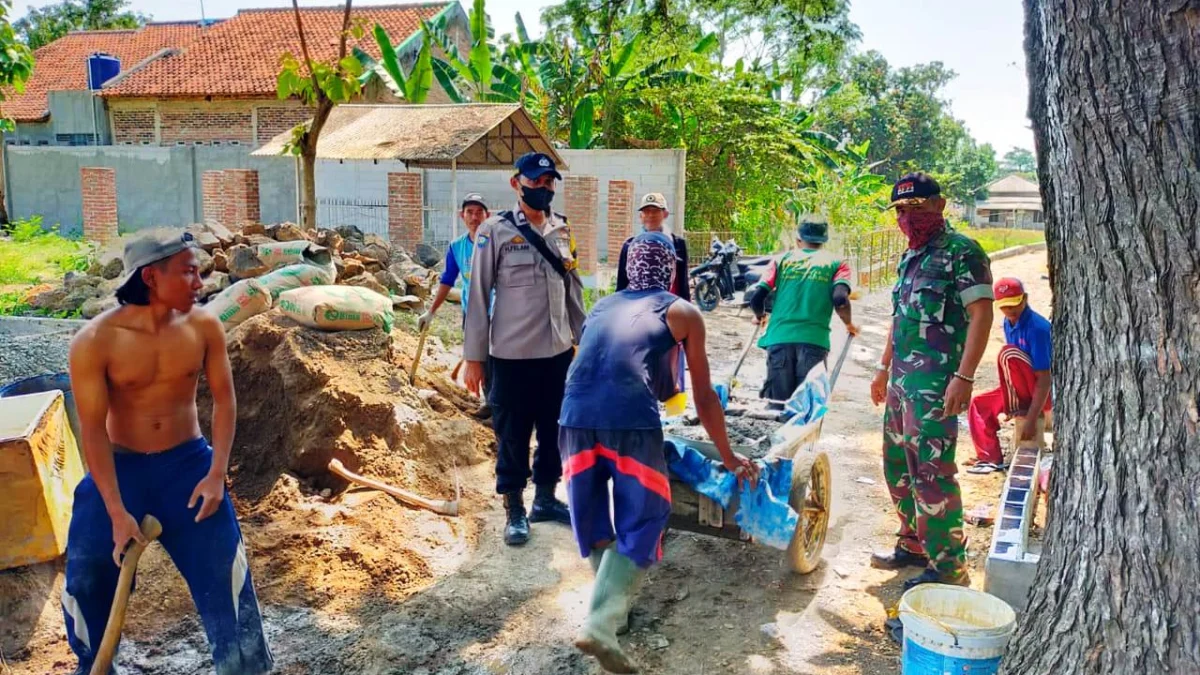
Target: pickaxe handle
point(151, 529)
point(444, 507)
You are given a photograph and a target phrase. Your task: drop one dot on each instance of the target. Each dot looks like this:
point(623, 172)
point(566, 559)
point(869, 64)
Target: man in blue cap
point(526, 258)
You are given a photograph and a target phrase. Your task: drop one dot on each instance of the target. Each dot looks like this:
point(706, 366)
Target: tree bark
point(1115, 104)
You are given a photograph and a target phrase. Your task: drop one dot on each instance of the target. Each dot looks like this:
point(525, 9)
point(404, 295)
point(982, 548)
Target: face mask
point(920, 227)
point(537, 198)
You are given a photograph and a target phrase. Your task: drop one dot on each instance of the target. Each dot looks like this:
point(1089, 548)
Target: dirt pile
point(306, 397)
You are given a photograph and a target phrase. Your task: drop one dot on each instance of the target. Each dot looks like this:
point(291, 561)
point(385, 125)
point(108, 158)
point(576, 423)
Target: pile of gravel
point(28, 351)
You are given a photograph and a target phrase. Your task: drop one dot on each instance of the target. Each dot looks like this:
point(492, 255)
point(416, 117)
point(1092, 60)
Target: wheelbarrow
point(810, 494)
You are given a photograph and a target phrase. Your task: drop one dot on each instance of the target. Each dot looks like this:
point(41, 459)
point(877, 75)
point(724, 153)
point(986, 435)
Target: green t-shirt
point(803, 282)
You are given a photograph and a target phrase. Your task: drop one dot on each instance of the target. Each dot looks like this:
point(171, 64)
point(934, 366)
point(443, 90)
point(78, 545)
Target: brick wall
point(275, 120)
point(189, 124)
point(620, 216)
point(582, 200)
point(212, 197)
point(241, 198)
point(99, 186)
point(405, 218)
point(134, 125)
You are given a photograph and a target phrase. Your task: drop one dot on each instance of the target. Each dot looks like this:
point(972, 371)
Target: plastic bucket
point(950, 630)
point(41, 383)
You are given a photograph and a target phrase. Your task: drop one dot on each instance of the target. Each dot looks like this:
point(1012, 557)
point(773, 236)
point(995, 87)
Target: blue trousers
point(210, 555)
point(634, 461)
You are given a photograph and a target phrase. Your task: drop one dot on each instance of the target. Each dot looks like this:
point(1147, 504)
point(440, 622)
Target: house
point(1013, 201)
point(202, 83)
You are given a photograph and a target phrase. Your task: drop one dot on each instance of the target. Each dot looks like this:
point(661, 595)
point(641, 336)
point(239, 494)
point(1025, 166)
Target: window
point(197, 142)
point(216, 143)
point(43, 142)
point(995, 217)
point(10, 141)
point(1038, 217)
point(180, 142)
point(235, 142)
point(145, 142)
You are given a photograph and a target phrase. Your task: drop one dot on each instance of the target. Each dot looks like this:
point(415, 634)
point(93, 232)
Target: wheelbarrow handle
point(837, 368)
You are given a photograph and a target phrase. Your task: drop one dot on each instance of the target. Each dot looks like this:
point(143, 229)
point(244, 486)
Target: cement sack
point(278, 254)
point(316, 270)
point(239, 302)
point(338, 308)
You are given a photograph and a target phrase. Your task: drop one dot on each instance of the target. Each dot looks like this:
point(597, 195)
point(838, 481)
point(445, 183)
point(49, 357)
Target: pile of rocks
point(366, 260)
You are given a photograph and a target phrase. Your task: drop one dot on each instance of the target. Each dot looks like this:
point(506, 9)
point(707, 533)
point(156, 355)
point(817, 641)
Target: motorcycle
point(725, 273)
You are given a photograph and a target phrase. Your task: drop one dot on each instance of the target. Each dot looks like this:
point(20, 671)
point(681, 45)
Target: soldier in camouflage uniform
point(942, 313)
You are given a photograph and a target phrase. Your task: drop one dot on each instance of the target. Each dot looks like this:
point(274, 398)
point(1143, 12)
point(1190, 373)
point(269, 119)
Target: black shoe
point(897, 559)
point(516, 529)
point(547, 508)
point(483, 412)
point(932, 576)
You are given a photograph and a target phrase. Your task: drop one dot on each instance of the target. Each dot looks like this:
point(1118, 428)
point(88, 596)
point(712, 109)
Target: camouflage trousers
point(918, 465)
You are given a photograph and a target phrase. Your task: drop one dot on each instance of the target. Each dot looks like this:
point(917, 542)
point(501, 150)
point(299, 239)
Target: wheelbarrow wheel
point(812, 480)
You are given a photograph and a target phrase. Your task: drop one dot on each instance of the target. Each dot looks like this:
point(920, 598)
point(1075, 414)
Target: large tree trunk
point(1115, 105)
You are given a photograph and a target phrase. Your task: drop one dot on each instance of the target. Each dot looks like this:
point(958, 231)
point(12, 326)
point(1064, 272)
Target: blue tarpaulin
point(763, 511)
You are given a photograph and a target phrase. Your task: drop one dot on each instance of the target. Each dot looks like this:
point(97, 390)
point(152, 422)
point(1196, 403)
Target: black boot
point(546, 507)
point(898, 559)
point(516, 530)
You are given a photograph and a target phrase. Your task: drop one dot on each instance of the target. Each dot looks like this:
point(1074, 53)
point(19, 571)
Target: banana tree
point(414, 88)
point(479, 76)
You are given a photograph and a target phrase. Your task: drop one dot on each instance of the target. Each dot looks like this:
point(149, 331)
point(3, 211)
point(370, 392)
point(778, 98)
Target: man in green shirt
point(810, 284)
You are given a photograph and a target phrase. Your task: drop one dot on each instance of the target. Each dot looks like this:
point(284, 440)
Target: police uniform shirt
point(535, 314)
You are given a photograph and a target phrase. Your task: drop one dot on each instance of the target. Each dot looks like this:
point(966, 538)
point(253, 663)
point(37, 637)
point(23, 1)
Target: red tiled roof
point(62, 64)
point(239, 57)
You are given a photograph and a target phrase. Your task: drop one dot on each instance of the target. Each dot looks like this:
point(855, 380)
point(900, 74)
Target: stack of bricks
point(99, 187)
point(620, 216)
point(240, 204)
point(406, 224)
point(582, 193)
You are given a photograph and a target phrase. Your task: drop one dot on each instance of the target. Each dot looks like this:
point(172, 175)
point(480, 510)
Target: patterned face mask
point(651, 262)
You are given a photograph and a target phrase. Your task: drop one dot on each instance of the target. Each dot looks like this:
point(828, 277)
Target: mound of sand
point(307, 396)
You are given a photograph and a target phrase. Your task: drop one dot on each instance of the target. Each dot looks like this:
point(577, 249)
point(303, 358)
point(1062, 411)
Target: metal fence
point(370, 216)
point(873, 255)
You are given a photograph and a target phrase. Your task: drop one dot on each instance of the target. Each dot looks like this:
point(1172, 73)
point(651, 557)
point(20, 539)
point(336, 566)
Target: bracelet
point(964, 378)
point(881, 368)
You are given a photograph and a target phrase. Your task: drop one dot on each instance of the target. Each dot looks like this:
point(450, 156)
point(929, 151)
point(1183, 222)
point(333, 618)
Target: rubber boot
point(547, 508)
point(516, 528)
point(616, 582)
point(594, 559)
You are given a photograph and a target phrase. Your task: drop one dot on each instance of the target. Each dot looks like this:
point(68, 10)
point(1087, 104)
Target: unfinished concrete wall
point(355, 192)
point(155, 186)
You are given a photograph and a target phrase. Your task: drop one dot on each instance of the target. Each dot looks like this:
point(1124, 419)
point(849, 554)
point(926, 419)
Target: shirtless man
point(134, 371)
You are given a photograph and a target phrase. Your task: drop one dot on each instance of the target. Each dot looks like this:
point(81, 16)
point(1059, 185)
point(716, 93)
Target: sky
point(981, 41)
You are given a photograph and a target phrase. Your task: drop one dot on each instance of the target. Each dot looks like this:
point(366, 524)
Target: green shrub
point(34, 254)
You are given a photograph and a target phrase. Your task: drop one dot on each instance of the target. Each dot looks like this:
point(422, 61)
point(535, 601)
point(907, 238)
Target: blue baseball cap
point(534, 165)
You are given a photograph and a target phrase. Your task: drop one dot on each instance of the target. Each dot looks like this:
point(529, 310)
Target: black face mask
point(537, 198)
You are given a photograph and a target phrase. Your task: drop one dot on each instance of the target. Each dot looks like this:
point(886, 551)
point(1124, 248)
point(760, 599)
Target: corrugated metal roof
point(476, 135)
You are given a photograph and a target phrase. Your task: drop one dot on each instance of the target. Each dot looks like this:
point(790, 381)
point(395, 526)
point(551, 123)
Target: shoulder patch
point(481, 239)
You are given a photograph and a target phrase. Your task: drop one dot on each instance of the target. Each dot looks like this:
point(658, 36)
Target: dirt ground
point(357, 583)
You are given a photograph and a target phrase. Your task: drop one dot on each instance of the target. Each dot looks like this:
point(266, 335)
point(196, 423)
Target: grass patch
point(998, 239)
point(13, 303)
point(33, 254)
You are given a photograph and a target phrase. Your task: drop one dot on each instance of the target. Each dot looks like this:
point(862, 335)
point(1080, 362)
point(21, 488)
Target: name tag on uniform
point(516, 246)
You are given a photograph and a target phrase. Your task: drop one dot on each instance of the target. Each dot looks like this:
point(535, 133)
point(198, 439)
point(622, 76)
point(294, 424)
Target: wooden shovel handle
point(444, 507)
point(151, 529)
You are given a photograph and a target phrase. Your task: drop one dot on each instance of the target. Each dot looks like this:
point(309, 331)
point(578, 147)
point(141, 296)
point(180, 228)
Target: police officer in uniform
point(526, 256)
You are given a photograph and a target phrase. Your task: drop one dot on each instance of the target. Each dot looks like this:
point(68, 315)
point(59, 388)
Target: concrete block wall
point(582, 196)
point(405, 217)
point(156, 186)
point(99, 194)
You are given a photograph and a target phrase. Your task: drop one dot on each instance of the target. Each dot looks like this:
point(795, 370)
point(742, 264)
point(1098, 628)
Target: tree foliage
point(44, 25)
point(1019, 160)
point(909, 125)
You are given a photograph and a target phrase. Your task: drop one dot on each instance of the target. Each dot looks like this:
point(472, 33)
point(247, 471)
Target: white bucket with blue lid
point(949, 630)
